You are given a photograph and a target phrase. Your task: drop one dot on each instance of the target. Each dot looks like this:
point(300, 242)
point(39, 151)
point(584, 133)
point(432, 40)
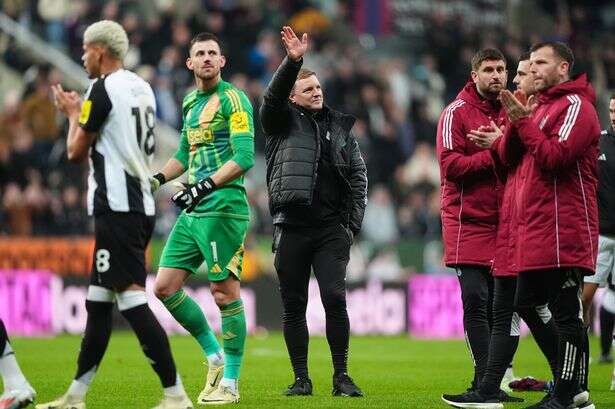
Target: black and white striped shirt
point(121, 108)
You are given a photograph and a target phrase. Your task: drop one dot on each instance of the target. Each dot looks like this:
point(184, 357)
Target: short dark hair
point(205, 37)
point(612, 97)
point(487, 54)
point(560, 49)
point(525, 56)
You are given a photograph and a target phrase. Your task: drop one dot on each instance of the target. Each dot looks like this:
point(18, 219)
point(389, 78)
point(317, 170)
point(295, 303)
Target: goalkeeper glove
point(191, 195)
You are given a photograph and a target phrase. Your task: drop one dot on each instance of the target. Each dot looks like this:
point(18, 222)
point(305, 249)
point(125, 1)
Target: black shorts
point(535, 288)
point(119, 252)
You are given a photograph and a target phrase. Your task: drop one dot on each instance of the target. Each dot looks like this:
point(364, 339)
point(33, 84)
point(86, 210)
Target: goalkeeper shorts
point(216, 240)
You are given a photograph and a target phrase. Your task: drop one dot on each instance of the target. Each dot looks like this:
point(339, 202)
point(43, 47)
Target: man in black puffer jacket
point(317, 184)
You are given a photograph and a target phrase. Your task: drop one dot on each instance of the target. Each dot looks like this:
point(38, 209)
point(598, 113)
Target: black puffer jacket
point(292, 152)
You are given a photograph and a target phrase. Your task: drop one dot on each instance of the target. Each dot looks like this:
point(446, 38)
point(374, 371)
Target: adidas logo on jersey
point(602, 157)
point(215, 269)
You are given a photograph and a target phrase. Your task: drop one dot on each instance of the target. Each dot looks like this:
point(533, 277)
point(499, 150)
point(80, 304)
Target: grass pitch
point(395, 372)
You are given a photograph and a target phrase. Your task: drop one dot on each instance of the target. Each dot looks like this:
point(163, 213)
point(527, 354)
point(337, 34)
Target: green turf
point(393, 372)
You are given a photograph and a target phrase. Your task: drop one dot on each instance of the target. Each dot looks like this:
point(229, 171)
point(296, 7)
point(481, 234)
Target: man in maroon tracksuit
point(505, 329)
point(556, 223)
point(469, 197)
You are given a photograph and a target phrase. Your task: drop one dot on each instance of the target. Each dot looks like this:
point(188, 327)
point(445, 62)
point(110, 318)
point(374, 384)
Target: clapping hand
point(295, 48)
point(68, 103)
point(484, 136)
point(529, 103)
point(517, 106)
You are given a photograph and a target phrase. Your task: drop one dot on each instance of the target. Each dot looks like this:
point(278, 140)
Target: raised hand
point(295, 48)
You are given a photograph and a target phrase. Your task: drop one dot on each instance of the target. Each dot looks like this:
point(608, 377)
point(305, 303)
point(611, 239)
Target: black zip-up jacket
point(606, 183)
point(292, 152)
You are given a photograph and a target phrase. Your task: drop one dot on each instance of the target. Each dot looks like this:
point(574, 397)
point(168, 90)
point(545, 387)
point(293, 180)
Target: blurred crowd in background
point(394, 64)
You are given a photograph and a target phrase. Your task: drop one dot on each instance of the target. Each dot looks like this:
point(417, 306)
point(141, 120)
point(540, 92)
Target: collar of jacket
point(577, 85)
point(470, 95)
point(345, 121)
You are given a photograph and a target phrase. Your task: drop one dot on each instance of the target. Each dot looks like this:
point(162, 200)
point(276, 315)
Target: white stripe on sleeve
point(571, 117)
point(447, 133)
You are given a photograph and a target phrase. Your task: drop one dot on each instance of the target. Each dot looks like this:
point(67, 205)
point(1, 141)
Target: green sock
point(234, 336)
point(188, 313)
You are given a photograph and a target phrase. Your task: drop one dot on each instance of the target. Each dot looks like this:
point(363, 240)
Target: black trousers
point(477, 298)
point(562, 287)
point(505, 333)
point(326, 250)
point(607, 323)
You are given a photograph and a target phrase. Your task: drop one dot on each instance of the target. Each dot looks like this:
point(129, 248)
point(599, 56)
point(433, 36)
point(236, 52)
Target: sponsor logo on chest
point(199, 135)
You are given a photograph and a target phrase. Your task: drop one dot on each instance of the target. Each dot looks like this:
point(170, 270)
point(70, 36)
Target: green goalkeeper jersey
point(218, 127)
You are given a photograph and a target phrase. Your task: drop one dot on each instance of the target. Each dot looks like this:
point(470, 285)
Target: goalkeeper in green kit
point(216, 148)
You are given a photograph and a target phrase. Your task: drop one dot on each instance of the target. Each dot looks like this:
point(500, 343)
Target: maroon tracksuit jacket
point(470, 190)
point(555, 221)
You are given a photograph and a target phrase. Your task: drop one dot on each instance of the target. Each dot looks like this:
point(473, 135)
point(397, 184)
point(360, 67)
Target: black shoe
point(605, 359)
point(473, 399)
point(551, 403)
point(301, 387)
point(343, 385)
point(504, 397)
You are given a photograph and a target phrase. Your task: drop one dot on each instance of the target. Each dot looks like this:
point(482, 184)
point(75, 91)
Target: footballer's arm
point(242, 145)
point(78, 140)
point(242, 160)
point(229, 171)
point(175, 166)
point(240, 163)
point(172, 170)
